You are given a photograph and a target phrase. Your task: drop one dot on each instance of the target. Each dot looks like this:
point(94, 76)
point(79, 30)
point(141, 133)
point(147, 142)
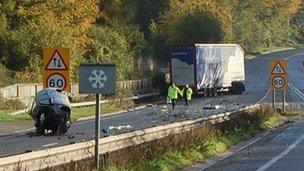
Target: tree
point(193, 21)
point(34, 24)
point(264, 22)
point(108, 46)
point(122, 11)
point(147, 11)
point(298, 23)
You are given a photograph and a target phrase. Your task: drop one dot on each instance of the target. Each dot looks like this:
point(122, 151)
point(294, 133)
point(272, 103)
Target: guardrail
point(61, 155)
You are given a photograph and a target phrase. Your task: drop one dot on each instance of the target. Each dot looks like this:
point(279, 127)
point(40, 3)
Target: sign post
point(97, 79)
point(97, 130)
point(283, 103)
point(56, 65)
point(273, 99)
point(278, 79)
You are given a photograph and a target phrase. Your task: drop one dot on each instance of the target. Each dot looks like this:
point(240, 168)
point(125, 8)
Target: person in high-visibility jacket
point(187, 94)
point(173, 92)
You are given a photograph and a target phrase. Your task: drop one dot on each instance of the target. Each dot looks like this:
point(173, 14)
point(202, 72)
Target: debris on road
point(80, 133)
point(151, 113)
point(164, 111)
point(28, 151)
point(213, 107)
point(120, 127)
point(71, 137)
point(164, 106)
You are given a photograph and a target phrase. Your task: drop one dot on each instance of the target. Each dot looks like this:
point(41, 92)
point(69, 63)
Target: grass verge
point(4, 116)
point(218, 139)
point(105, 108)
point(9, 105)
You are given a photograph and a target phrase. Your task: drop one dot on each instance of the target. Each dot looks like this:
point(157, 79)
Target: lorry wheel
point(209, 92)
point(206, 93)
point(215, 94)
point(237, 88)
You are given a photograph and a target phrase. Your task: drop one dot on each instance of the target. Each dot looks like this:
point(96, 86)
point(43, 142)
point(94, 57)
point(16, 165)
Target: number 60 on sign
point(278, 82)
point(57, 81)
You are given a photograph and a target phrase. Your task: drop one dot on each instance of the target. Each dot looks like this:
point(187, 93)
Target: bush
point(9, 104)
point(7, 76)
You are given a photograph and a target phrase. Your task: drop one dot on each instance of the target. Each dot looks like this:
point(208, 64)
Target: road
point(257, 91)
point(279, 150)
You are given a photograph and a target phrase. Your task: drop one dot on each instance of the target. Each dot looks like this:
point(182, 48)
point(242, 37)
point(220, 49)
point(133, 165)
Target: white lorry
point(208, 68)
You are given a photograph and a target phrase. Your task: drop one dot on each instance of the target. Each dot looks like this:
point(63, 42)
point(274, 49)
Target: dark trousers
point(186, 102)
point(173, 103)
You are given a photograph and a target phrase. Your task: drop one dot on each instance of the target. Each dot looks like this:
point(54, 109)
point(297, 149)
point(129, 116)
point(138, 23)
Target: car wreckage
point(51, 111)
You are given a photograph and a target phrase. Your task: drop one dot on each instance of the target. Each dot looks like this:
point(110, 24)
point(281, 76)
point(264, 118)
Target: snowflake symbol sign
point(98, 78)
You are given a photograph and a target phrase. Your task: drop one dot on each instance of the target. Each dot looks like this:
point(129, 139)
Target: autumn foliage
point(123, 31)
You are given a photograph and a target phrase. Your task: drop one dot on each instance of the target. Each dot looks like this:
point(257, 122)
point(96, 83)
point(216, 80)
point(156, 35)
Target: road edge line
point(285, 152)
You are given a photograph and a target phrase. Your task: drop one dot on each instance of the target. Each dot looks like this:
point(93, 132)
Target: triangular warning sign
point(278, 69)
point(56, 62)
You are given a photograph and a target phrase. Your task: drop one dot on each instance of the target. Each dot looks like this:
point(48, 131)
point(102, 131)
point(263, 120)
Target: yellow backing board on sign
point(278, 82)
point(278, 67)
point(56, 65)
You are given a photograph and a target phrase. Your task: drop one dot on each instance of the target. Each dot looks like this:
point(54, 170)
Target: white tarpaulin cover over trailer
point(218, 65)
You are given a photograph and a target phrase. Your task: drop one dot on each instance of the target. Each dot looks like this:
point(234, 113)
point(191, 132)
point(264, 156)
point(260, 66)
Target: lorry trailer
point(208, 68)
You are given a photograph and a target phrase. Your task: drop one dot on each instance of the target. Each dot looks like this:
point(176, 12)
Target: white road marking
point(264, 96)
point(293, 55)
point(7, 137)
point(265, 134)
point(4, 134)
point(252, 142)
point(19, 131)
point(231, 153)
point(48, 145)
point(30, 129)
point(286, 151)
point(296, 91)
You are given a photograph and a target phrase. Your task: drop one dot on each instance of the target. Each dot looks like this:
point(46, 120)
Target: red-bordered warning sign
point(56, 62)
point(278, 68)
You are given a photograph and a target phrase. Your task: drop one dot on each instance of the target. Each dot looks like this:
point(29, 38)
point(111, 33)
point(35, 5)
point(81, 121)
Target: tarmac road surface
point(257, 80)
point(280, 149)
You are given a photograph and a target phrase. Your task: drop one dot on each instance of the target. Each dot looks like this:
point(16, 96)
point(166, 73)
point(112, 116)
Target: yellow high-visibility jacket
point(189, 93)
point(173, 92)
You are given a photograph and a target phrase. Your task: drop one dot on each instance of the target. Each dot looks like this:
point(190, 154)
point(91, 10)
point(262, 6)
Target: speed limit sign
point(278, 82)
point(56, 81)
